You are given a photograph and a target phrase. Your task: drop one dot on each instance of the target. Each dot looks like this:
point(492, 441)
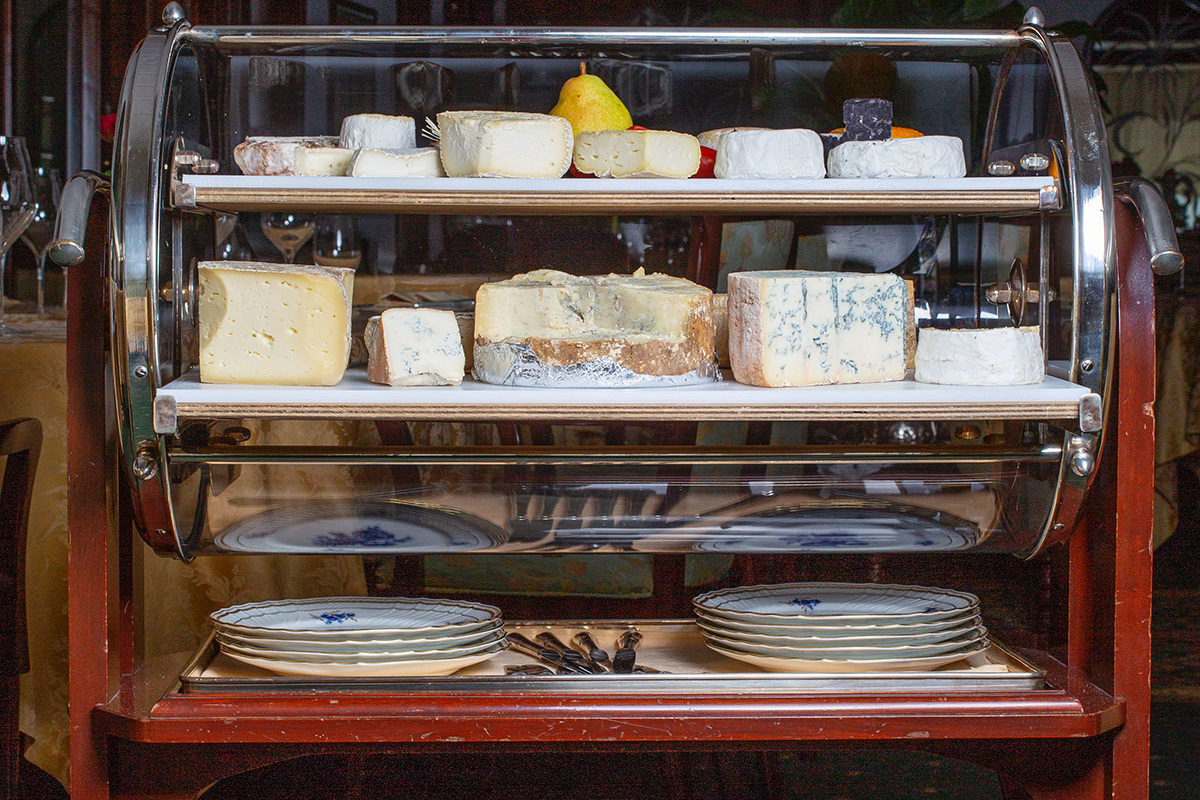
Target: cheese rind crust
point(919, 157)
point(414, 347)
point(991, 357)
point(800, 328)
point(274, 324)
point(275, 155)
point(637, 154)
point(549, 328)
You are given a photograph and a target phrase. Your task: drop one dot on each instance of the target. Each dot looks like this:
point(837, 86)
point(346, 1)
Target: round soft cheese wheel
point(988, 357)
point(792, 153)
point(919, 157)
point(712, 139)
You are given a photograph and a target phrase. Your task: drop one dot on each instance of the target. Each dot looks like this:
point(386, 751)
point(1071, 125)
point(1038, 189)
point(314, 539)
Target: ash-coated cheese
point(548, 328)
point(415, 347)
point(637, 154)
point(422, 162)
point(793, 153)
point(275, 324)
point(504, 144)
point(275, 155)
point(918, 157)
point(989, 357)
point(322, 161)
point(800, 328)
point(379, 132)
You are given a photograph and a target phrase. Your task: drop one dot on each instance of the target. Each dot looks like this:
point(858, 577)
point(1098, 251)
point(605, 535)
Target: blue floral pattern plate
point(836, 603)
point(354, 618)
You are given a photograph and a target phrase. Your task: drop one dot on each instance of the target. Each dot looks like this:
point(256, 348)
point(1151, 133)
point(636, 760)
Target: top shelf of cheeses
point(569, 196)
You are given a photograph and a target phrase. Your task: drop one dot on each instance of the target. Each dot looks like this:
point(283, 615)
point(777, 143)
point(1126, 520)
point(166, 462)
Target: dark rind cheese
point(867, 119)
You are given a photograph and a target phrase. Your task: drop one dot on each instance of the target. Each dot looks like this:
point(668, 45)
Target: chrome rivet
point(1001, 169)
point(145, 466)
point(140, 371)
point(1087, 365)
point(1034, 16)
point(1034, 162)
point(1082, 463)
point(173, 13)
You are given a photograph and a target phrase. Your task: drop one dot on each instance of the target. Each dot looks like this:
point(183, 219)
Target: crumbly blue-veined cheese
point(415, 347)
point(417, 163)
point(800, 328)
point(274, 324)
point(918, 157)
point(379, 132)
point(504, 144)
point(793, 153)
point(549, 328)
point(637, 154)
point(989, 357)
point(275, 155)
point(322, 161)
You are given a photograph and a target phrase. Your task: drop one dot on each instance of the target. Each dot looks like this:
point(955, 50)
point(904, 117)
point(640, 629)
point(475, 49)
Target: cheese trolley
point(851, 503)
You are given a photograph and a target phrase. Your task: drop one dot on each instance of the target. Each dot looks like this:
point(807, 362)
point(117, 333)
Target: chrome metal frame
point(142, 180)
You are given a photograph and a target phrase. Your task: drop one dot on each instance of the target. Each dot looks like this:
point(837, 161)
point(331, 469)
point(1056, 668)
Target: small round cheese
point(794, 153)
point(712, 139)
point(989, 357)
point(920, 157)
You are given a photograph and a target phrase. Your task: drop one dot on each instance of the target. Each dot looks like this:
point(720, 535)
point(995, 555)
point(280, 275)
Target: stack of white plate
point(361, 636)
point(842, 627)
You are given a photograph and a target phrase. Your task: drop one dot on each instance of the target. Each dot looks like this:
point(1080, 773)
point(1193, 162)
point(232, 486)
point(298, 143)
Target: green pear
point(589, 105)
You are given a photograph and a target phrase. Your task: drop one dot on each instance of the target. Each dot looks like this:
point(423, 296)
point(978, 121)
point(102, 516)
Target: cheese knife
point(545, 655)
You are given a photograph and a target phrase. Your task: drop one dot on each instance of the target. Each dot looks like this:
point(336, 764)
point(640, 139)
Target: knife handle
point(629, 639)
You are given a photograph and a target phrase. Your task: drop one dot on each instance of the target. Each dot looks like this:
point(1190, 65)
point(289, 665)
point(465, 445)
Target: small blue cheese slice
point(415, 347)
point(800, 328)
point(378, 131)
point(274, 324)
point(417, 163)
point(794, 153)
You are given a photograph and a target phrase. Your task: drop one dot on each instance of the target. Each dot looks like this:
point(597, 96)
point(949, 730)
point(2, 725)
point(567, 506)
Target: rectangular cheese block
point(548, 328)
point(378, 131)
point(984, 357)
point(793, 153)
point(275, 324)
point(800, 328)
point(637, 154)
point(415, 347)
point(504, 144)
point(275, 155)
point(322, 161)
point(423, 162)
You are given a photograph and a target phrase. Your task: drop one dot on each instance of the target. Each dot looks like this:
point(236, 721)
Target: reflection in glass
point(336, 242)
point(16, 201)
point(288, 231)
point(46, 187)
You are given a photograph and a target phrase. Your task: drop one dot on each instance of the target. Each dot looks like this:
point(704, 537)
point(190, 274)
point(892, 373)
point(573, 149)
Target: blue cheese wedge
point(274, 324)
point(415, 347)
point(989, 357)
point(504, 144)
point(800, 328)
point(918, 157)
point(379, 132)
point(548, 328)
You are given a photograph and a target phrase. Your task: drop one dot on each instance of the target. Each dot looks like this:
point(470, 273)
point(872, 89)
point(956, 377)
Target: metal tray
point(675, 646)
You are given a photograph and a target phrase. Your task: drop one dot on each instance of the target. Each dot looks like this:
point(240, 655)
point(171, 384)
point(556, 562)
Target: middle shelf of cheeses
point(558, 196)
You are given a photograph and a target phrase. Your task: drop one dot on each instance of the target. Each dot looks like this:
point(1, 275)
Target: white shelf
point(589, 196)
point(1053, 399)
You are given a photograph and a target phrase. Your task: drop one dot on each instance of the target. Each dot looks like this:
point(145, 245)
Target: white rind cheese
point(418, 163)
point(379, 132)
point(274, 324)
point(275, 155)
point(504, 144)
point(415, 347)
point(794, 153)
point(918, 157)
point(548, 328)
point(712, 139)
point(799, 328)
point(991, 357)
point(322, 161)
point(637, 154)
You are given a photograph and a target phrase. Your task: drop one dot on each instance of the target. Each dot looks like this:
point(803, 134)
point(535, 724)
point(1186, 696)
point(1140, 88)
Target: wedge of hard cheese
point(504, 144)
point(275, 324)
point(275, 155)
point(322, 161)
point(548, 328)
point(637, 154)
point(990, 357)
point(799, 328)
point(414, 347)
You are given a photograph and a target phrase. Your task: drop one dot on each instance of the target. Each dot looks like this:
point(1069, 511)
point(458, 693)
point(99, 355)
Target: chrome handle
point(1145, 197)
point(71, 226)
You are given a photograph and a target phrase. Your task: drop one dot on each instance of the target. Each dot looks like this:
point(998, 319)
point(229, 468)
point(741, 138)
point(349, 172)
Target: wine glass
point(16, 201)
point(336, 242)
point(40, 233)
point(288, 231)
point(229, 239)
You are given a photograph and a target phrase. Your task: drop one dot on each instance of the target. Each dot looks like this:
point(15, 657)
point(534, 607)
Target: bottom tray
point(675, 646)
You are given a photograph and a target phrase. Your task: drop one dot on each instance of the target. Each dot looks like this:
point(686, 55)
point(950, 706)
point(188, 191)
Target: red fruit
point(636, 128)
point(574, 172)
point(708, 160)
